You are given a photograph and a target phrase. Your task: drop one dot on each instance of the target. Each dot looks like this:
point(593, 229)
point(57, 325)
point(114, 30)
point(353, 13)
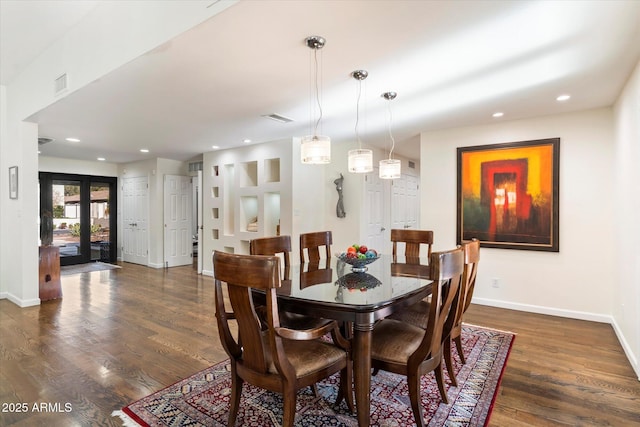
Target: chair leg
point(289, 415)
point(449, 362)
point(413, 381)
point(234, 399)
point(458, 341)
point(346, 387)
point(440, 381)
point(314, 390)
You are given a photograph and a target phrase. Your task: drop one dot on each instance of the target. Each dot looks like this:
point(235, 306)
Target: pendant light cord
point(393, 142)
point(315, 56)
point(358, 113)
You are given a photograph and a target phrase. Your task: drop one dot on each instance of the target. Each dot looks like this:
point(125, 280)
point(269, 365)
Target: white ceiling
point(453, 63)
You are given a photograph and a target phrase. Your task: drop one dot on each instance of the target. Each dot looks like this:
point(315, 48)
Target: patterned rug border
point(130, 418)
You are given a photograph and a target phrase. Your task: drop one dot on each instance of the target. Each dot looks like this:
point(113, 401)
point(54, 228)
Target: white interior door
point(178, 240)
point(199, 198)
point(135, 219)
point(374, 213)
point(412, 198)
point(405, 202)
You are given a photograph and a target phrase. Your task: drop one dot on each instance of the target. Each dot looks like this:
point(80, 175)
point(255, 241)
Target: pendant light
point(360, 160)
point(390, 168)
point(316, 149)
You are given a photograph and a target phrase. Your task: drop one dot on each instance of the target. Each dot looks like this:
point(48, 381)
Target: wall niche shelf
point(248, 174)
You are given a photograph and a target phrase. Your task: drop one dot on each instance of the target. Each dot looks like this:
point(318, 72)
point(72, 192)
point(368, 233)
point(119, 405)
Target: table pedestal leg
point(362, 371)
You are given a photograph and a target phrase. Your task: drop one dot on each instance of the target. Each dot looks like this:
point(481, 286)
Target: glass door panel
point(67, 218)
point(100, 222)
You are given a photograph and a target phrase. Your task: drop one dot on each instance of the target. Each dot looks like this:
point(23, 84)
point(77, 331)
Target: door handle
point(407, 226)
point(382, 228)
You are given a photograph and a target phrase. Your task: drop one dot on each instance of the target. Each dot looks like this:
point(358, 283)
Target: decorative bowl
point(358, 265)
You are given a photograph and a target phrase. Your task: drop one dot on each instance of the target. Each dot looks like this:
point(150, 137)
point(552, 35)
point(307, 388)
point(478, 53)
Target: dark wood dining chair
point(409, 350)
point(416, 313)
point(471, 259)
point(281, 245)
point(279, 359)
point(412, 239)
point(312, 242)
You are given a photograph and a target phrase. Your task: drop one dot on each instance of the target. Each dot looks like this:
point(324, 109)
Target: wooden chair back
point(471, 259)
point(312, 243)
point(241, 273)
point(412, 239)
point(276, 245)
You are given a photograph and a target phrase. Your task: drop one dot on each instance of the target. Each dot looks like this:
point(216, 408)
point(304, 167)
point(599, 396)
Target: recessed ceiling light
point(101, 159)
point(246, 141)
point(144, 150)
point(563, 98)
point(72, 139)
point(215, 147)
point(498, 114)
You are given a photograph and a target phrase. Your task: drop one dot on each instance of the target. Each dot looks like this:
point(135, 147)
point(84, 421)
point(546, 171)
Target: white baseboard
point(207, 273)
point(581, 315)
point(627, 348)
point(20, 302)
point(571, 314)
point(3, 295)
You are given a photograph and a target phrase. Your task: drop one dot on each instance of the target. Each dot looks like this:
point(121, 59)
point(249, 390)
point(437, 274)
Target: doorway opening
point(81, 205)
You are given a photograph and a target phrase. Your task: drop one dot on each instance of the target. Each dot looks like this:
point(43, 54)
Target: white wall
point(80, 167)
point(107, 38)
point(626, 284)
point(576, 282)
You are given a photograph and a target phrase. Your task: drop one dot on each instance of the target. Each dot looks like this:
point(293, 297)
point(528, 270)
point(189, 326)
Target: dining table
point(358, 296)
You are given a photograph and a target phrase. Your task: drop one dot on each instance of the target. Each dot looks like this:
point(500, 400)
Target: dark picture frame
point(508, 195)
point(13, 182)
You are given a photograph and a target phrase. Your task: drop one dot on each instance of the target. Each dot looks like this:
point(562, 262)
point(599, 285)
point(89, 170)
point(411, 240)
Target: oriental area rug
point(203, 398)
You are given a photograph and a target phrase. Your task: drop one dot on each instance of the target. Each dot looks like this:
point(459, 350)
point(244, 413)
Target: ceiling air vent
point(278, 118)
point(44, 140)
point(60, 84)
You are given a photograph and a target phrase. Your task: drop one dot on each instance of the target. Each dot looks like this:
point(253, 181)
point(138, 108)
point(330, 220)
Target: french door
point(81, 206)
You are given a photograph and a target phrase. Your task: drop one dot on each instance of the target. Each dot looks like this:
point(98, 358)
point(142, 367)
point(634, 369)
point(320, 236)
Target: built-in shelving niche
point(248, 174)
point(272, 170)
point(248, 213)
point(271, 213)
point(229, 206)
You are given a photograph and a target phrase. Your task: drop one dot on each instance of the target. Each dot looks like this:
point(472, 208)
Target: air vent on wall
point(44, 140)
point(60, 83)
point(277, 118)
point(412, 164)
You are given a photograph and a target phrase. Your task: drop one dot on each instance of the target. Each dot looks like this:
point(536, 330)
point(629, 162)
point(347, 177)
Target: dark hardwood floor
point(119, 335)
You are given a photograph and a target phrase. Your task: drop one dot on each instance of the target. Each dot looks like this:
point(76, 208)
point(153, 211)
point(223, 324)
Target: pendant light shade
point(316, 149)
point(361, 159)
point(390, 168)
